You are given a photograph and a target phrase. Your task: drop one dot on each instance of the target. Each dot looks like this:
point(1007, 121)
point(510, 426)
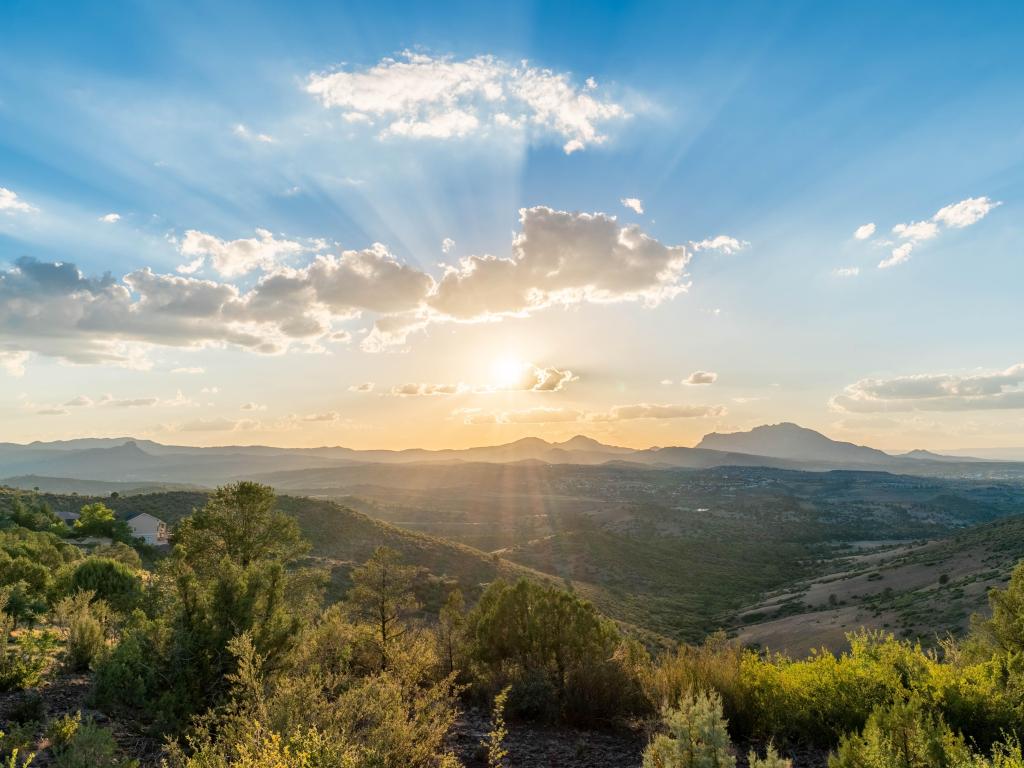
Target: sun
point(507, 371)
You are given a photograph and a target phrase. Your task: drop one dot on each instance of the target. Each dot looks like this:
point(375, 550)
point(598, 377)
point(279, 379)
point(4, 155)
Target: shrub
point(84, 624)
point(24, 662)
point(697, 736)
point(83, 744)
point(108, 580)
point(554, 649)
point(902, 735)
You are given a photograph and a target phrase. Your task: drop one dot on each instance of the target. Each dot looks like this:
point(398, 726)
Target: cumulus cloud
point(110, 218)
point(722, 243)
point(701, 377)
point(953, 216)
point(557, 258)
point(864, 231)
point(633, 203)
point(935, 392)
point(417, 95)
point(966, 212)
point(562, 258)
point(11, 203)
point(447, 244)
point(366, 386)
point(898, 255)
point(235, 257)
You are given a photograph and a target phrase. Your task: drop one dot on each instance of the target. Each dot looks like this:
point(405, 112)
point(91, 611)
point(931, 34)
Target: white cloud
point(422, 96)
point(935, 392)
point(562, 258)
point(864, 231)
point(899, 254)
point(953, 216)
point(191, 371)
point(235, 257)
point(966, 212)
point(81, 401)
point(558, 258)
point(110, 218)
point(847, 271)
point(916, 231)
point(366, 386)
point(701, 377)
point(13, 363)
point(722, 243)
point(133, 402)
point(633, 203)
point(52, 412)
point(11, 203)
point(447, 244)
point(253, 407)
point(243, 132)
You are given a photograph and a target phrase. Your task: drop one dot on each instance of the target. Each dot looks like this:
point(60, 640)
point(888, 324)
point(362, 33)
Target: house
point(151, 530)
point(68, 517)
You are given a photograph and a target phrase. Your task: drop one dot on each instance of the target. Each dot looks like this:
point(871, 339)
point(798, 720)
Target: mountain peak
point(791, 441)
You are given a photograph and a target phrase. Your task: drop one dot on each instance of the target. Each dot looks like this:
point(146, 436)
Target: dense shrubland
point(224, 651)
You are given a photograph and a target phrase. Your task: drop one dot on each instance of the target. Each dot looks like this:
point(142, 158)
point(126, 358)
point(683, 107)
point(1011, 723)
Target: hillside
point(914, 590)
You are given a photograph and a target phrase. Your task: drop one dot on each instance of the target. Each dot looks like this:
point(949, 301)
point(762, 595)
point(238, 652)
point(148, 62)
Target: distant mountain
point(920, 453)
point(778, 446)
point(795, 443)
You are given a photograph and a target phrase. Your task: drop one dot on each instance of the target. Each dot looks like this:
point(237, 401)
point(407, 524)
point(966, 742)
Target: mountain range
point(779, 446)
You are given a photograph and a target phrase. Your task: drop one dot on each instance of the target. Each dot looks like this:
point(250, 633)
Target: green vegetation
point(227, 652)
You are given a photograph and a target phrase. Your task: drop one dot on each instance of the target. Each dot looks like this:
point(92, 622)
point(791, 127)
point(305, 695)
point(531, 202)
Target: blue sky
point(780, 127)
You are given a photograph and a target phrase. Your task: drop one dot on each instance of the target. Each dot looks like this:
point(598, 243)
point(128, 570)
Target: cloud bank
point(935, 392)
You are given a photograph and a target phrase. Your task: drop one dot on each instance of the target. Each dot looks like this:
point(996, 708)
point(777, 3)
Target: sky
point(441, 225)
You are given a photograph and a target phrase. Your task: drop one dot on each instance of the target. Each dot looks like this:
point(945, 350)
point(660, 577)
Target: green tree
point(549, 637)
point(98, 520)
point(240, 523)
point(381, 595)
point(233, 570)
point(903, 735)
point(451, 627)
point(697, 737)
point(1004, 631)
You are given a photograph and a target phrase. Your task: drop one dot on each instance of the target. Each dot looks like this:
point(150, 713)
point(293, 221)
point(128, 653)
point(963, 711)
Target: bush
point(902, 735)
point(697, 736)
point(108, 580)
point(554, 649)
point(24, 662)
point(83, 744)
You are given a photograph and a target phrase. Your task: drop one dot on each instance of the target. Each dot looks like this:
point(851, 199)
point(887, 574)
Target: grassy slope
point(922, 590)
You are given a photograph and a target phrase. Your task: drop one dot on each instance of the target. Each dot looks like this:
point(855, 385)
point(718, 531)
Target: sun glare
point(506, 371)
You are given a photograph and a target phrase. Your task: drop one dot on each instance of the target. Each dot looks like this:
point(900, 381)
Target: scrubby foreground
point(222, 653)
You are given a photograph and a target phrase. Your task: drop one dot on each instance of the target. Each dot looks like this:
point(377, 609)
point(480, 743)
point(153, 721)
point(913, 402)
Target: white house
point(151, 530)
